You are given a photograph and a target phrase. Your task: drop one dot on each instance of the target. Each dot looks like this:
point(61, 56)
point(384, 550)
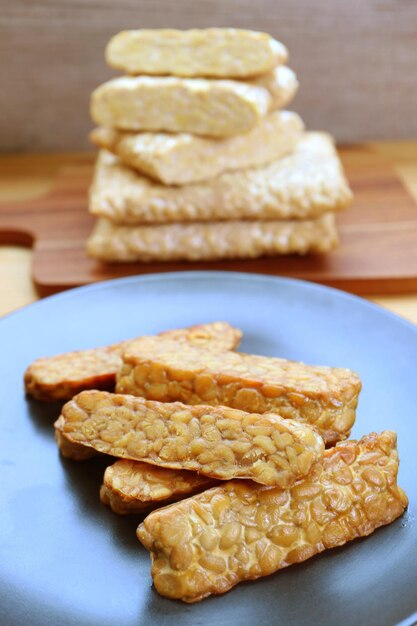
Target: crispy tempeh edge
point(241, 531)
point(70, 449)
point(62, 376)
point(136, 487)
point(324, 397)
point(218, 442)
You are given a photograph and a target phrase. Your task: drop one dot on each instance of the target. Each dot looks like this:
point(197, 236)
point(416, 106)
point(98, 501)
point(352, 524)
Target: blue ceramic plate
point(65, 559)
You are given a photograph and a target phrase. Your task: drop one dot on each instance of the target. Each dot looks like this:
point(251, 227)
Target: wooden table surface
point(28, 175)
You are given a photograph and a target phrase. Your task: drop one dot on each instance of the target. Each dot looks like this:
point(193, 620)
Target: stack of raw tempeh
point(198, 159)
point(244, 447)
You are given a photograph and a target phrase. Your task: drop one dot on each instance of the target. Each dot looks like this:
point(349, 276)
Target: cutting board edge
point(358, 286)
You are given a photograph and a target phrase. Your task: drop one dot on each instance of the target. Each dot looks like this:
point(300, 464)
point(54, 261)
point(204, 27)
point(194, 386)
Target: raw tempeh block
point(135, 487)
point(302, 185)
point(281, 83)
point(217, 52)
point(184, 158)
point(209, 241)
point(216, 108)
point(61, 377)
point(218, 442)
point(325, 397)
point(240, 531)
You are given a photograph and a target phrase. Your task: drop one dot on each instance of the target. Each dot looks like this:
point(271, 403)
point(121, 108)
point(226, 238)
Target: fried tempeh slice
point(302, 185)
point(325, 397)
point(59, 377)
point(184, 158)
point(216, 108)
point(62, 376)
point(216, 52)
point(218, 442)
point(70, 449)
point(209, 241)
point(240, 531)
point(135, 487)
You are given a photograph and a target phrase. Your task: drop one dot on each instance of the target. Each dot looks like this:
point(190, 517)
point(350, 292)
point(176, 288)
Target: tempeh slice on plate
point(240, 531)
point(324, 397)
point(216, 108)
point(184, 158)
point(62, 376)
point(135, 487)
point(70, 449)
point(302, 185)
point(209, 241)
point(219, 442)
point(215, 52)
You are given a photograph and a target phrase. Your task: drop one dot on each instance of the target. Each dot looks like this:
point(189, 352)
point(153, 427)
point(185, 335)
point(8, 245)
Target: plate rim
point(373, 306)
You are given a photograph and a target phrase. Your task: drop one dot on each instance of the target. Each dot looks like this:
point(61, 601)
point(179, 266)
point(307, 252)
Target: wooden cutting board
point(377, 254)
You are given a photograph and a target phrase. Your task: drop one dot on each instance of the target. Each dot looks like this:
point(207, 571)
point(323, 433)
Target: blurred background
point(356, 61)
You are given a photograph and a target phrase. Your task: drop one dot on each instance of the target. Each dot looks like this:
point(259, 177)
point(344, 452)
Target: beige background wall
point(356, 60)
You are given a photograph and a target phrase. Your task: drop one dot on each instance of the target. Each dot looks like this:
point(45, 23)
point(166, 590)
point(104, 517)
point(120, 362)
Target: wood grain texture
point(378, 251)
point(355, 61)
point(17, 288)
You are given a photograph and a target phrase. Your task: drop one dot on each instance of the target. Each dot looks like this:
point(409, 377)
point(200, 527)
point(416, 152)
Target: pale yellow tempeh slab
point(240, 531)
point(218, 442)
point(216, 52)
point(184, 158)
point(209, 241)
point(216, 108)
point(325, 397)
point(281, 83)
point(62, 376)
point(135, 487)
point(302, 185)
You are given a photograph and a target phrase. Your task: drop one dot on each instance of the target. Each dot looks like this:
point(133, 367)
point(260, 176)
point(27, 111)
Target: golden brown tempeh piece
point(135, 487)
point(184, 158)
point(216, 52)
point(325, 397)
point(301, 185)
point(62, 376)
point(241, 531)
point(218, 442)
point(209, 241)
point(213, 108)
point(69, 449)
